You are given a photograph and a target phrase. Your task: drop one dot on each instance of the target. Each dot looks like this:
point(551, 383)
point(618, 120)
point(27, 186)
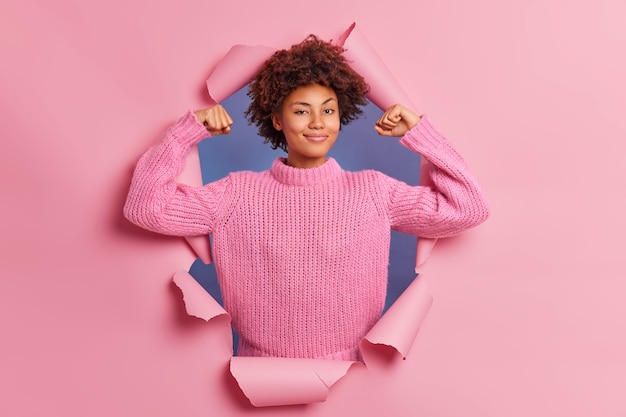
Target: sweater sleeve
point(157, 202)
point(451, 204)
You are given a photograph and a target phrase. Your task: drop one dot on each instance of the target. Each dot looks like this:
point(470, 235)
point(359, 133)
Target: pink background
point(529, 315)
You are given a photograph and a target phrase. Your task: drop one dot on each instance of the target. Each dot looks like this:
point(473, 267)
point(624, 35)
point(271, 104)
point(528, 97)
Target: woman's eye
point(329, 111)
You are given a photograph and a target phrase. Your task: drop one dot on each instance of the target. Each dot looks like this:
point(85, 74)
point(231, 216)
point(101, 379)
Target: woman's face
point(310, 121)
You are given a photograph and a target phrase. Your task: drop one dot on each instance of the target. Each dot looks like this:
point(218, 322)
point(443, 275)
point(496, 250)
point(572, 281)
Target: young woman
point(301, 250)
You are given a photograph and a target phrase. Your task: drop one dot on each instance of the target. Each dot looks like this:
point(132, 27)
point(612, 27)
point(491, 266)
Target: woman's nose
point(316, 122)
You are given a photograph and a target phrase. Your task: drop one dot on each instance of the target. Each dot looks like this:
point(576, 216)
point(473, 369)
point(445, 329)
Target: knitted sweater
point(302, 254)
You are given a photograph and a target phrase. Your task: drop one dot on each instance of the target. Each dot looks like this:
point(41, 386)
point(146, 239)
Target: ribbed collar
point(304, 176)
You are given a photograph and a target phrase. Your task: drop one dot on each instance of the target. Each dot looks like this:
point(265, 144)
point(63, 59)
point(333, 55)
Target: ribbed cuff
point(423, 137)
point(188, 131)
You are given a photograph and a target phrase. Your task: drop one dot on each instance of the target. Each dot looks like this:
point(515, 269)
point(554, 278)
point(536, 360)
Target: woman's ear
point(276, 122)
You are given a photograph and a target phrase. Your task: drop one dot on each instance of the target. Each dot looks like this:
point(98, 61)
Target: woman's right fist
point(216, 120)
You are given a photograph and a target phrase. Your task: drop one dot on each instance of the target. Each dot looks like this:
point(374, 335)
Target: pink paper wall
point(529, 315)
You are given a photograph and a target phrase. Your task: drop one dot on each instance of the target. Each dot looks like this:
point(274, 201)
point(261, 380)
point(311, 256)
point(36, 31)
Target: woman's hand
point(216, 120)
point(396, 121)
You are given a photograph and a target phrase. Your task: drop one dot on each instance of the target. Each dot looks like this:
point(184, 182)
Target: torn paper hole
point(286, 381)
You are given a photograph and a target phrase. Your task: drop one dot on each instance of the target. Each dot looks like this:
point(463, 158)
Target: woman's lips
point(316, 138)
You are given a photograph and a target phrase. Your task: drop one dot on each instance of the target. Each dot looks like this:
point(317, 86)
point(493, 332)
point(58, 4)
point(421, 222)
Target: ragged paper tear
point(268, 381)
point(288, 381)
point(236, 69)
point(198, 302)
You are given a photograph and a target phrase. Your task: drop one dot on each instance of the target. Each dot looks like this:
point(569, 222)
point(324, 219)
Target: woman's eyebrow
point(304, 103)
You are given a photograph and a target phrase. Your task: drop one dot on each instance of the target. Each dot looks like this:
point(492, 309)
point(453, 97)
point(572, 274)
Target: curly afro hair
point(312, 61)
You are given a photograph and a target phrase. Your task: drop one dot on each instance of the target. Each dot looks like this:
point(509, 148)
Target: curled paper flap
point(201, 245)
point(198, 302)
point(398, 327)
point(384, 92)
point(384, 89)
point(286, 381)
point(236, 69)
point(422, 252)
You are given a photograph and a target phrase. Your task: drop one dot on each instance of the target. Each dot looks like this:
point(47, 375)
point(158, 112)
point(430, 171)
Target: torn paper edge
point(270, 381)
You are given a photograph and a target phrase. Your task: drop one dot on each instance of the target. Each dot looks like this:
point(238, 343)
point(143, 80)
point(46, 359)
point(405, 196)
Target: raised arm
point(156, 201)
point(454, 201)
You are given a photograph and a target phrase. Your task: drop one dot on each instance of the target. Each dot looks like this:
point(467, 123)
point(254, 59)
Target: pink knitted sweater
point(302, 254)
